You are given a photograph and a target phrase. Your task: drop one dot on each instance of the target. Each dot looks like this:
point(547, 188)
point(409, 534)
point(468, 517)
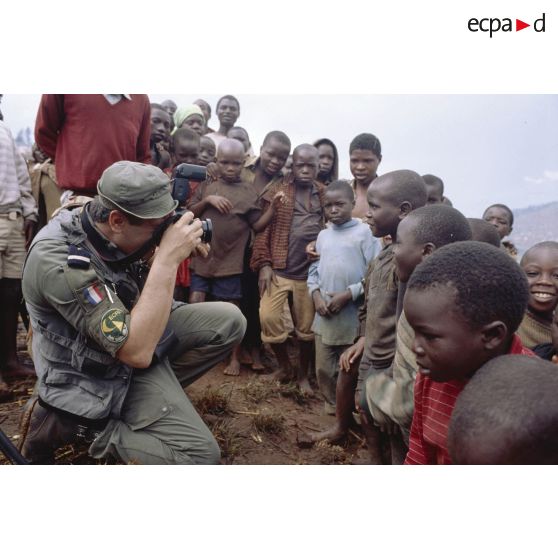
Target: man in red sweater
point(464, 303)
point(85, 134)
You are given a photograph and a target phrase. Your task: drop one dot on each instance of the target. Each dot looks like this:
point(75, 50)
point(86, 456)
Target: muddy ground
point(255, 420)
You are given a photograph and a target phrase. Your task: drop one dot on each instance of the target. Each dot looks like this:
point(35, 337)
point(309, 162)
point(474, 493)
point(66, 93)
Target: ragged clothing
point(377, 314)
point(390, 393)
point(345, 252)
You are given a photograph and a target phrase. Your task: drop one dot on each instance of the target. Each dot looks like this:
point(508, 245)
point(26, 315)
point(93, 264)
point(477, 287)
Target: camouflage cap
point(140, 190)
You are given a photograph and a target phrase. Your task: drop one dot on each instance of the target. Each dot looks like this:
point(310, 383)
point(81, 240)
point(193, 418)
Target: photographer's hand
point(180, 240)
point(150, 315)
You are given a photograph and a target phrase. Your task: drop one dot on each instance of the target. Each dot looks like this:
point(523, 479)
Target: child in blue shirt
point(346, 247)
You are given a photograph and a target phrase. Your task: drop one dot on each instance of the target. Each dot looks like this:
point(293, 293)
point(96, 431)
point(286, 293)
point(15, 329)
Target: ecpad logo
point(494, 24)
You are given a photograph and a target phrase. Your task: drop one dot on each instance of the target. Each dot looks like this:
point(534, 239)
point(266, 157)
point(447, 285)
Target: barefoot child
point(389, 394)
point(464, 304)
point(262, 173)
point(266, 170)
point(540, 264)
point(280, 259)
point(335, 284)
point(391, 198)
point(232, 207)
point(507, 415)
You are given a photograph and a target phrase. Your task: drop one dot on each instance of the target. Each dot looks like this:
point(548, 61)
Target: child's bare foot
point(281, 375)
point(257, 364)
point(333, 435)
point(232, 369)
point(245, 357)
point(304, 386)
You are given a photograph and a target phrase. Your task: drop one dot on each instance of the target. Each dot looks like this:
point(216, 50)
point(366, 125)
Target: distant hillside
point(534, 224)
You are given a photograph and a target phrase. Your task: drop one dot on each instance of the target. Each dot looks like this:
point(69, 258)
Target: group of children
point(401, 307)
point(394, 297)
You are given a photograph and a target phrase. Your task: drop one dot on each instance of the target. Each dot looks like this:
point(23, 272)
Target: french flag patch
point(93, 295)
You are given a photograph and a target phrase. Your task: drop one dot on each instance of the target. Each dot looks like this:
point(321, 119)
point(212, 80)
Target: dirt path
point(255, 420)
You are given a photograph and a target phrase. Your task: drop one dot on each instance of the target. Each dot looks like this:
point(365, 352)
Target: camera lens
point(207, 228)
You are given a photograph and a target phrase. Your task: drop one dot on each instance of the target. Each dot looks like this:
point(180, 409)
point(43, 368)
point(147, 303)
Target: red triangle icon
point(519, 25)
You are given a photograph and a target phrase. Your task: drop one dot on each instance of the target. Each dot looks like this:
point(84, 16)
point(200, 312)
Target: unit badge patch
point(113, 325)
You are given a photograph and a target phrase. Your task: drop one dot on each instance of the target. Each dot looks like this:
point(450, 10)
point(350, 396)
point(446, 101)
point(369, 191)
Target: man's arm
point(94, 309)
point(150, 315)
point(50, 118)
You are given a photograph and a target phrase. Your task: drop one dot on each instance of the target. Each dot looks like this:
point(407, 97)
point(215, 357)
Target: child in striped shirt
point(464, 303)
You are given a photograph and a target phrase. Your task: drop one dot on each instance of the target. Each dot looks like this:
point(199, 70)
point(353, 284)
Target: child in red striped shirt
point(464, 304)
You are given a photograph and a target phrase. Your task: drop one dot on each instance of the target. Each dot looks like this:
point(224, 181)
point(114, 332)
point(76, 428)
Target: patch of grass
point(269, 422)
point(228, 439)
point(257, 390)
point(292, 391)
point(330, 454)
point(213, 401)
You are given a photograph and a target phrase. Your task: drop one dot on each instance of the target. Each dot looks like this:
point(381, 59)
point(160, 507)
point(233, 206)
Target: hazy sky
point(486, 148)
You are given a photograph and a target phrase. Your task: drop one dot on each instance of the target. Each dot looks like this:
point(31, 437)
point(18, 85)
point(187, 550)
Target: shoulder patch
point(113, 325)
point(78, 257)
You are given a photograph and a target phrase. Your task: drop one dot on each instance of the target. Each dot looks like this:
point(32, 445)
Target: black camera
point(181, 183)
point(207, 226)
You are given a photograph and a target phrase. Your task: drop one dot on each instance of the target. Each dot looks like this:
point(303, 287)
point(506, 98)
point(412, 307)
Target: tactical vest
point(75, 374)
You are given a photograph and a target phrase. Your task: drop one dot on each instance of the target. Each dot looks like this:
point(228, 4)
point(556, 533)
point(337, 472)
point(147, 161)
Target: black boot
point(43, 431)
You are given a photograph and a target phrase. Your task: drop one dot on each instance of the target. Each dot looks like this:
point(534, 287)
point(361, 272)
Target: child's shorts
point(222, 288)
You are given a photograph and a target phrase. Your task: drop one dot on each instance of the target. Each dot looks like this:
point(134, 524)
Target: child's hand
point(339, 300)
point(212, 172)
point(351, 355)
point(320, 304)
point(280, 198)
point(202, 250)
point(311, 253)
point(265, 278)
point(223, 205)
